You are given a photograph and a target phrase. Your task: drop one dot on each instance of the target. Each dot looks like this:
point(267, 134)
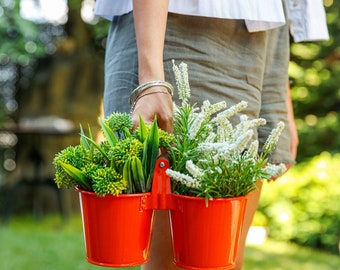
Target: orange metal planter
point(206, 237)
point(117, 229)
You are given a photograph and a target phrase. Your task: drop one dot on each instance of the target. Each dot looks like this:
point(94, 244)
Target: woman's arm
point(150, 25)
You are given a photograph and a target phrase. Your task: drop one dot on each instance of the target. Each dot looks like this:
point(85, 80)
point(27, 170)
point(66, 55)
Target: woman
point(235, 50)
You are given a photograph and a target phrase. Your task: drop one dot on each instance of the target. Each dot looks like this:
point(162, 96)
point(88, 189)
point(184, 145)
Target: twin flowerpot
point(206, 236)
point(117, 229)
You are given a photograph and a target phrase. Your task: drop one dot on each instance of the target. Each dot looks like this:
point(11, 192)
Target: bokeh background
point(51, 80)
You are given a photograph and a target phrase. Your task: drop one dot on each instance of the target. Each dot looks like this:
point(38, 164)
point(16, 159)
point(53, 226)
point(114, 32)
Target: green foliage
point(127, 148)
point(123, 162)
point(238, 177)
point(75, 155)
point(185, 149)
point(20, 38)
point(304, 205)
point(120, 123)
point(150, 152)
point(314, 73)
point(210, 157)
point(60, 240)
point(107, 181)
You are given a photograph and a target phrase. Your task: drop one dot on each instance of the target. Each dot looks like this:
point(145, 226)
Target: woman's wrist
point(147, 89)
point(145, 86)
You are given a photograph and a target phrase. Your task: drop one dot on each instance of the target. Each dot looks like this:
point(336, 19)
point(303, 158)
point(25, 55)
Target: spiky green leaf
point(108, 133)
point(77, 175)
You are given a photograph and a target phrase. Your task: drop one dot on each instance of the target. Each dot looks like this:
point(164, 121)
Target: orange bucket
point(206, 237)
point(117, 229)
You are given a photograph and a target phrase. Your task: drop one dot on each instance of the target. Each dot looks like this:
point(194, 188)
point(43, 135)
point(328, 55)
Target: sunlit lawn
point(54, 244)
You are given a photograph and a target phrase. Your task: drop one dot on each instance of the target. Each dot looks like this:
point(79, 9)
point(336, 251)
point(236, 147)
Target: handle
point(161, 195)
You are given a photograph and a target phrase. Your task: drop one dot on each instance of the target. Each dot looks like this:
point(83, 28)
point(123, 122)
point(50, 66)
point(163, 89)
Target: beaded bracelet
point(135, 93)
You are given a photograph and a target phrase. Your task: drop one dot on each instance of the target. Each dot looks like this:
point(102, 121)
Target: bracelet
point(141, 96)
point(135, 93)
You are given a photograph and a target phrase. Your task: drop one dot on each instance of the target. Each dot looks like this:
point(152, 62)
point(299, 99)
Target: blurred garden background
point(51, 80)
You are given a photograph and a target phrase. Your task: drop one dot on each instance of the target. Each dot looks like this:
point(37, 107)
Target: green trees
point(303, 206)
point(314, 72)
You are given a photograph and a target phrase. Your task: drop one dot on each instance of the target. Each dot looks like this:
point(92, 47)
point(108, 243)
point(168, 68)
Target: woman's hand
point(155, 101)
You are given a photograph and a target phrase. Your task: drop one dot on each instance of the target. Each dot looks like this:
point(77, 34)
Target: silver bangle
point(135, 93)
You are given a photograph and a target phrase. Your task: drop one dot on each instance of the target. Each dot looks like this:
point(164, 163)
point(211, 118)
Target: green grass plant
point(51, 243)
point(303, 206)
point(56, 244)
point(273, 255)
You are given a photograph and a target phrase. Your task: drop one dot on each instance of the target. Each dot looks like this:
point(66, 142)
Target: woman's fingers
point(155, 104)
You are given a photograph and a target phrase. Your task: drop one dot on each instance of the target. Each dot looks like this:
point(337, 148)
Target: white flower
point(183, 178)
point(182, 81)
point(256, 122)
point(210, 147)
point(196, 125)
point(225, 131)
point(253, 149)
point(205, 105)
point(241, 143)
point(273, 138)
point(210, 109)
point(246, 124)
point(241, 127)
point(274, 170)
point(231, 111)
point(211, 137)
point(218, 169)
point(195, 171)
